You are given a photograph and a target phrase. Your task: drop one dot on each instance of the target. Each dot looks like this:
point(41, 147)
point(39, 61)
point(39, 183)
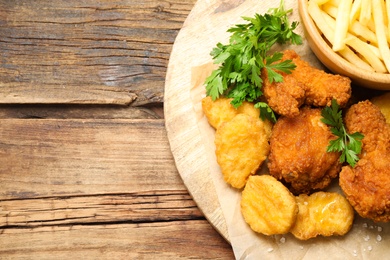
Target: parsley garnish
point(242, 60)
point(349, 144)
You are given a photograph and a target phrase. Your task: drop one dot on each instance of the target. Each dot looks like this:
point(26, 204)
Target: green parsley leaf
point(265, 111)
point(349, 145)
point(242, 60)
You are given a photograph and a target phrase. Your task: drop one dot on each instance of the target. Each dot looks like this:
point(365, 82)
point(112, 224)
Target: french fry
point(342, 24)
point(355, 11)
point(318, 17)
point(356, 28)
point(335, 2)
point(351, 56)
point(365, 12)
point(330, 9)
point(321, 2)
point(387, 3)
point(375, 50)
point(384, 12)
point(367, 53)
point(380, 31)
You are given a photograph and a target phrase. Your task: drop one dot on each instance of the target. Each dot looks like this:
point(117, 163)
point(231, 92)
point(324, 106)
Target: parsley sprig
point(349, 144)
point(247, 53)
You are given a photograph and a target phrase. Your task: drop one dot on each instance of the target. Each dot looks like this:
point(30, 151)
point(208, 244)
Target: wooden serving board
point(192, 141)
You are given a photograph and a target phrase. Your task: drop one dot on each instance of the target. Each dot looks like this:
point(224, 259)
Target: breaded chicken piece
point(298, 153)
point(367, 185)
point(268, 206)
point(305, 85)
point(241, 147)
point(366, 118)
point(286, 97)
point(221, 110)
point(218, 111)
point(322, 213)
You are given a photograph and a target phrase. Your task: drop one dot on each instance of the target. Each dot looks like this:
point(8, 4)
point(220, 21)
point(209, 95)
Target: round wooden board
point(205, 26)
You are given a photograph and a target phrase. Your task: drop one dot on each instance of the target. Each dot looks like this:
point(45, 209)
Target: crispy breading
point(268, 206)
point(241, 148)
point(218, 111)
point(305, 85)
point(383, 102)
point(366, 118)
point(286, 97)
point(322, 213)
point(298, 152)
point(367, 185)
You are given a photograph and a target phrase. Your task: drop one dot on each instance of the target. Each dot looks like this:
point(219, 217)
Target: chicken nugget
point(218, 111)
point(383, 102)
point(268, 206)
point(221, 110)
point(241, 148)
point(322, 213)
point(298, 152)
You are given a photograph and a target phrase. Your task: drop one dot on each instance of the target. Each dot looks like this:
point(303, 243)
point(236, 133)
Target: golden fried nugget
point(268, 206)
point(220, 111)
point(241, 147)
point(322, 213)
point(383, 102)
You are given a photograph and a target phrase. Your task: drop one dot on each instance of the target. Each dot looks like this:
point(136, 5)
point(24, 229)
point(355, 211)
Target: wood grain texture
point(86, 156)
point(135, 207)
point(66, 111)
point(158, 240)
point(96, 188)
point(93, 52)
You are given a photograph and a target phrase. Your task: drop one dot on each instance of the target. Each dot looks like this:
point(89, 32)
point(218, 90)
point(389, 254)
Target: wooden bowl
point(335, 62)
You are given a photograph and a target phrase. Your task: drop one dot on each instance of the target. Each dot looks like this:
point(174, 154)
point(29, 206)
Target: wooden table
point(85, 164)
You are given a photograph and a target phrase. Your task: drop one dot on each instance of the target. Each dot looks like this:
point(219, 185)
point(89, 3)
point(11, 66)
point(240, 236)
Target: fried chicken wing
point(367, 185)
point(305, 85)
point(298, 153)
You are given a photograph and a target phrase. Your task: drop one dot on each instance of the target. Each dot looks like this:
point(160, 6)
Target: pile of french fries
point(359, 30)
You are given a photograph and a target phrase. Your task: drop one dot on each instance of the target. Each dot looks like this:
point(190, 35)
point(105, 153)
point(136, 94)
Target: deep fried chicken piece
point(241, 147)
point(298, 153)
point(367, 185)
point(305, 85)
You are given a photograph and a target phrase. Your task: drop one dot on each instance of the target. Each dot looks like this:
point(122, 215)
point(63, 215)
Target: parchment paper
point(366, 240)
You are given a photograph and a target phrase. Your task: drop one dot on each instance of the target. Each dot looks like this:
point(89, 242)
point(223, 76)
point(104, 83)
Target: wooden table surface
point(85, 164)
